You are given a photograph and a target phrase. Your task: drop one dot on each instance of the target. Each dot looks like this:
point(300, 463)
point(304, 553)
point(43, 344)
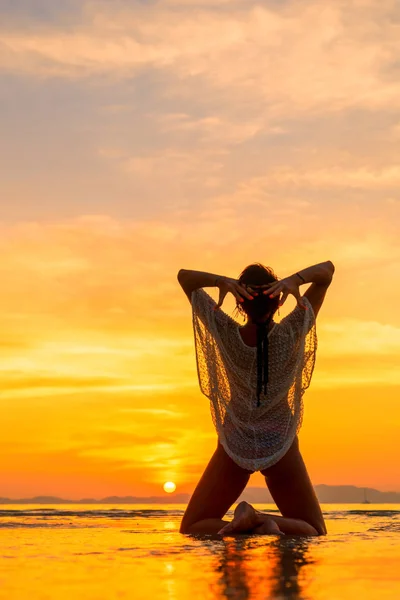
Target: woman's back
point(255, 437)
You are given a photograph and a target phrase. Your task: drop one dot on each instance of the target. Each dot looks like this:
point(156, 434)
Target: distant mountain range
point(331, 494)
point(170, 499)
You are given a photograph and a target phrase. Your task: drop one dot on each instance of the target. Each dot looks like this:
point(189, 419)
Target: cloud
point(18, 382)
point(211, 129)
point(155, 412)
point(362, 338)
point(299, 58)
point(333, 178)
point(356, 374)
point(157, 109)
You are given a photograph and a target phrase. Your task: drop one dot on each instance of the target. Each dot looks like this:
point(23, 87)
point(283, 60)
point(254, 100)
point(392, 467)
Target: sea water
point(96, 552)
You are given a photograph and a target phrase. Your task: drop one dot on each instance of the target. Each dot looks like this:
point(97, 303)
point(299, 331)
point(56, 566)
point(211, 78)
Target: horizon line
point(173, 495)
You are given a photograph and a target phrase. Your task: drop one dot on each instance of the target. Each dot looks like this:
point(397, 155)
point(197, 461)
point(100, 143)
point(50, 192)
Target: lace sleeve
point(212, 330)
point(299, 341)
point(300, 320)
point(203, 308)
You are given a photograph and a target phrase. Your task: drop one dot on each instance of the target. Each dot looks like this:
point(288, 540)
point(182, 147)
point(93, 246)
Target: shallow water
point(91, 552)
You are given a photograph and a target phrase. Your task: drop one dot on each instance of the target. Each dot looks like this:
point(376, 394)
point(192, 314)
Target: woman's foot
point(269, 527)
point(245, 520)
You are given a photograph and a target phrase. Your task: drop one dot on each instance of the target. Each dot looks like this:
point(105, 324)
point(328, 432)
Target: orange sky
point(144, 140)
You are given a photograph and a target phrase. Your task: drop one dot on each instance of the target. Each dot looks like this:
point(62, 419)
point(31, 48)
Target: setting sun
point(169, 487)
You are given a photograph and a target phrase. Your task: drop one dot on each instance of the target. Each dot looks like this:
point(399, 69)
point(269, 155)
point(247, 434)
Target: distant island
point(327, 494)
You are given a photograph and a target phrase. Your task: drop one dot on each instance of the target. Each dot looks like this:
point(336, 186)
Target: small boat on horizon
point(366, 501)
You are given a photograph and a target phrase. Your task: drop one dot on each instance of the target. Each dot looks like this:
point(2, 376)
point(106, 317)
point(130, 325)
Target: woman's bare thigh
point(292, 490)
point(219, 487)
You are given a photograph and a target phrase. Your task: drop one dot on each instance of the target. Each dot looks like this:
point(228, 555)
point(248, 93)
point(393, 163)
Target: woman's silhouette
point(255, 377)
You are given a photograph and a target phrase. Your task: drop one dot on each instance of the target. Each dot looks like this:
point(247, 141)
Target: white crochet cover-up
point(254, 437)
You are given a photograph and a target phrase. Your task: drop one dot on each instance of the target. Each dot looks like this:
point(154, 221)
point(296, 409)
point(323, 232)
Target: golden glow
point(100, 394)
point(169, 487)
point(288, 161)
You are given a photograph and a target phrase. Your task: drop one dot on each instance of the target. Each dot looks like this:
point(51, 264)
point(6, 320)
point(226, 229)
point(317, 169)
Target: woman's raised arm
point(321, 274)
point(192, 280)
point(320, 277)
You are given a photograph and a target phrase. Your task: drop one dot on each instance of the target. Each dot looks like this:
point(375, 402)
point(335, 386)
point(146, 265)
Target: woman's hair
point(257, 309)
point(262, 304)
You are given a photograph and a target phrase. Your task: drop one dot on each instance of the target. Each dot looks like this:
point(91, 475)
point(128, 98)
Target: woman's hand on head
point(227, 284)
point(285, 286)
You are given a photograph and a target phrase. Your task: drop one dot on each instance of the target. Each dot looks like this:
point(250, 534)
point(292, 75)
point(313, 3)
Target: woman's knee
point(184, 527)
point(187, 521)
point(318, 528)
point(321, 527)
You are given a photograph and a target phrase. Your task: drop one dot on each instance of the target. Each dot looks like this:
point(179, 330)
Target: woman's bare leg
point(289, 526)
point(222, 483)
point(219, 487)
point(293, 493)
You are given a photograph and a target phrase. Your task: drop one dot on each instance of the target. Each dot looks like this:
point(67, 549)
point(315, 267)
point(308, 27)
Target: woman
point(255, 377)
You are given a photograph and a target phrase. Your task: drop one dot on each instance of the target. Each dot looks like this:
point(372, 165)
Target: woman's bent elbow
point(181, 274)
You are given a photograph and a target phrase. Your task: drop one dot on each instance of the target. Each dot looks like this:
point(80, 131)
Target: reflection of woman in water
point(255, 377)
point(275, 570)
